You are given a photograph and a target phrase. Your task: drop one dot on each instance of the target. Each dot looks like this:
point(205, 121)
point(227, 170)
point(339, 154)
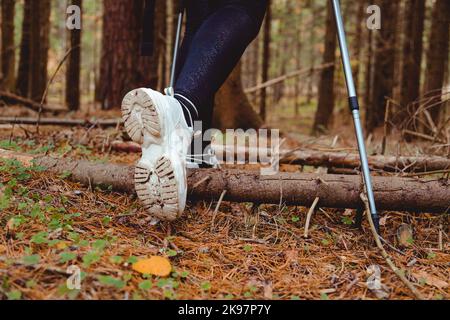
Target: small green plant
point(347, 221)
point(205, 286)
point(111, 281)
point(66, 257)
point(31, 259)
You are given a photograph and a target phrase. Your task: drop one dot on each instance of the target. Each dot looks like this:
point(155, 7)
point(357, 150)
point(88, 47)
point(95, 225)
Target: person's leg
point(214, 49)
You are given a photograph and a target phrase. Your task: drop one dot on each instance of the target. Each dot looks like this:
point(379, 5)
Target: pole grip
point(353, 103)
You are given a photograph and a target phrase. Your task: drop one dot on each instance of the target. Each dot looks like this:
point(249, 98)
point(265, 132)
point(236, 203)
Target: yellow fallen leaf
point(157, 266)
point(62, 245)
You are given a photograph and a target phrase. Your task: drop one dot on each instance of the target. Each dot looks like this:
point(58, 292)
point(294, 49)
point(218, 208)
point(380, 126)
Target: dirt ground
point(49, 224)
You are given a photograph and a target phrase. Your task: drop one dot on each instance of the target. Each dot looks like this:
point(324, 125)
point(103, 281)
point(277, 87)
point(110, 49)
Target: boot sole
point(156, 185)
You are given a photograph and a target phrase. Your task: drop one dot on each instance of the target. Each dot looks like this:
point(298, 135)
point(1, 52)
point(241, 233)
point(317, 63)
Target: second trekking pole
point(354, 107)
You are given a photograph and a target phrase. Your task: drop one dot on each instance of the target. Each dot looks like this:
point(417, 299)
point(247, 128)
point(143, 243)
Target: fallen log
point(351, 160)
point(61, 121)
point(11, 98)
point(334, 191)
point(334, 160)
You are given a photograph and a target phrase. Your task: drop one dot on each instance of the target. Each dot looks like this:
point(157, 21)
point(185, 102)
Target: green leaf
point(295, 219)
point(347, 220)
point(184, 274)
point(116, 259)
point(132, 260)
point(40, 238)
point(66, 257)
point(65, 175)
point(106, 220)
point(431, 255)
point(14, 295)
point(32, 259)
point(171, 253)
point(113, 282)
point(145, 285)
point(31, 283)
point(248, 248)
point(324, 296)
point(90, 258)
point(100, 245)
point(206, 286)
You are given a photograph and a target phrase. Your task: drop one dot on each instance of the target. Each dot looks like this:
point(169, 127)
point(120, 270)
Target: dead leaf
point(61, 245)
point(405, 235)
point(430, 279)
point(383, 220)
point(268, 290)
point(157, 266)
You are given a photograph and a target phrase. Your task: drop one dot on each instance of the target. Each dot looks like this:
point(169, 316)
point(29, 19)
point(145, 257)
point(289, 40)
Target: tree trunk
point(326, 87)
point(23, 77)
point(334, 191)
point(412, 54)
point(312, 53)
point(384, 64)
point(122, 67)
point(232, 108)
point(8, 46)
point(266, 60)
point(73, 66)
point(437, 56)
point(40, 29)
point(359, 25)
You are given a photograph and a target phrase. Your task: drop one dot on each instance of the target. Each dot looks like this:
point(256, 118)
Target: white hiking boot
point(157, 122)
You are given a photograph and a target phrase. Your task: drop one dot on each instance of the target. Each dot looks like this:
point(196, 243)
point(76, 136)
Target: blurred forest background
point(290, 77)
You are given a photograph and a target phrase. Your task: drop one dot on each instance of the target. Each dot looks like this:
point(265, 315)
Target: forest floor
point(49, 223)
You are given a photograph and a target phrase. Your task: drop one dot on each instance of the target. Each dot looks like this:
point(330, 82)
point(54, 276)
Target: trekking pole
point(354, 107)
point(170, 89)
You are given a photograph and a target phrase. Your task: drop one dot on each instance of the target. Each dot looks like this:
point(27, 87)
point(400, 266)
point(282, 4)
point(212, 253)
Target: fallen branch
point(335, 160)
point(11, 98)
point(61, 122)
point(385, 255)
point(334, 191)
point(287, 76)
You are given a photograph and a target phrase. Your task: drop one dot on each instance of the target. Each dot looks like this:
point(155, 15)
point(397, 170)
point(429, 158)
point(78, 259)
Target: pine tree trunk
point(326, 86)
point(358, 41)
point(8, 46)
point(312, 54)
point(23, 76)
point(39, 35)
point(437, 56)
point(266, 60)
point(412, 53)
point(73, 66)
point(384, 64)
point(122, 66)
point(233, 109)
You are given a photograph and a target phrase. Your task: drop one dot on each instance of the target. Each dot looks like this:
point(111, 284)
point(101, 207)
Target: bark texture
point(122, 66)
point(335, 191)
point(412, 52)
point(73, 66)
point(8, 46)
point(384, 64)
point(23, 76)
point(326, 87)
point(437, 56)
point(233, 108)
point(39, 38)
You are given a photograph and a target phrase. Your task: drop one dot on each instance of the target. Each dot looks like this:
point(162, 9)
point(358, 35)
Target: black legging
point(217, 34)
